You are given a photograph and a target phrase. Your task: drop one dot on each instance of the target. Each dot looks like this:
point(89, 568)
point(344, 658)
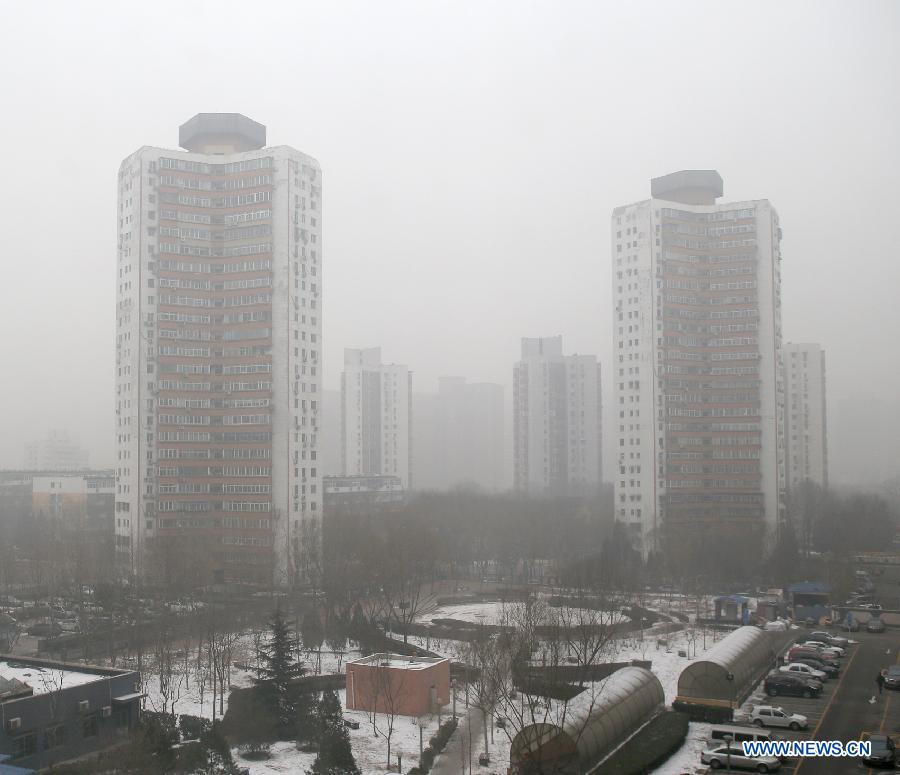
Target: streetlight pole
point(727, 739)
point(730, 678)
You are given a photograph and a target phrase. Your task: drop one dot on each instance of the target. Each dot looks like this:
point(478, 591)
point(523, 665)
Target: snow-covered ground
point(493, 613)
point(687, 758)
point(44, 680)
point(196, 700)
point(666, 665)
point(285, 758)
point(369, 748)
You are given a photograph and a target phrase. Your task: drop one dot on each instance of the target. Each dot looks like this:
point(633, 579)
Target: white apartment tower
point(218, 341)
point(806, 428)
point(376, 414)
point(699, 392)
point(556, 420)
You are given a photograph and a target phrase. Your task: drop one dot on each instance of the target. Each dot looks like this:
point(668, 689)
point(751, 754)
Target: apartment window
point(54, 737)
point(24, 745)
point(89, 726)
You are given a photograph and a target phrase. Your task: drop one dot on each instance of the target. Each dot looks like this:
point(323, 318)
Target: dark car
point(892, 677)
point(883, 752)
point(783, 683)
point(817, 664)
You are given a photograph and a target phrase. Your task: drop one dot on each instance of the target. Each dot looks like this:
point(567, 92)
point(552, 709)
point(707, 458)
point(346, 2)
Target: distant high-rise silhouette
point(376, 413)
point(556, 420)
point(805, 423)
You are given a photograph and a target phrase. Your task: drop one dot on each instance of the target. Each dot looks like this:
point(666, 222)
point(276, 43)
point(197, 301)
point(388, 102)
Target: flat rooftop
point(43, 677)
point(44, 680)
point(398, 661)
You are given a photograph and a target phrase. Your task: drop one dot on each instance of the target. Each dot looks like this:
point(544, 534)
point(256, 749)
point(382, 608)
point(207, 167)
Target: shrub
point(255, 751)
point(193, 727)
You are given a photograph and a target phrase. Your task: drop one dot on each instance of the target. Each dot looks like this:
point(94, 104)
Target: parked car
point(771, 716)
point(831, 640)
point(798, 652)
point(806, 671)
point(791, 684)
point(733, 755)
point(875, 625)
point(836, 650)
point(892, 677)
point(883, 754)
point(830, 670)
point(832, 652)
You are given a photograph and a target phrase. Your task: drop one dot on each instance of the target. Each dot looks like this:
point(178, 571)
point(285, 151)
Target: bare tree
point(391, 689)
point(528, 671)
point(485, 689)
point(169, 676)
point(52, 684)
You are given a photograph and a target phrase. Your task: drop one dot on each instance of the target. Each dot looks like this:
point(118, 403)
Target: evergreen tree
point(335, 755)
point(276, 670)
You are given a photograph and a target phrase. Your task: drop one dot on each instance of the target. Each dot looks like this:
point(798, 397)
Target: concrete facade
point(557, 416)
point(218, 343)
point(75, 498)
point(54, 711)
point(698, 376)
point(404, 686)
point(362, 494)
point(376, 416)
point(805, 415)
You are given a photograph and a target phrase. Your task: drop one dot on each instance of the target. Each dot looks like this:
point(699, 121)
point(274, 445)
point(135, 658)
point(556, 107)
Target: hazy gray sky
point(472, 153)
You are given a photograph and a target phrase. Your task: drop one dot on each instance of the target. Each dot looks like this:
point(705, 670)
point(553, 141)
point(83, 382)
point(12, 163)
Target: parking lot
point(845, 710)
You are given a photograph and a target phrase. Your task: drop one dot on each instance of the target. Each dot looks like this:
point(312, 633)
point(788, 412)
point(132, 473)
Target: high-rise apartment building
point(376, 415)
point(557, 415)
point(218, 341)
point(806, 427)
point(699, 391)
point(57, 451)
point(458, 436)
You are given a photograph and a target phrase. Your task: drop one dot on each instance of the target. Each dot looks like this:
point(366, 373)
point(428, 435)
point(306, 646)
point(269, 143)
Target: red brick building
point(393, 683)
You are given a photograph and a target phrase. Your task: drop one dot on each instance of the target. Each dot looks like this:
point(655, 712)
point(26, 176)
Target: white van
point(740, 734)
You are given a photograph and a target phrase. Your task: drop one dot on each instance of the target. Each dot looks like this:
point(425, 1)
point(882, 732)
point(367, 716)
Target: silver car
point(733, 755)
point(798, 668)
point(770, 716)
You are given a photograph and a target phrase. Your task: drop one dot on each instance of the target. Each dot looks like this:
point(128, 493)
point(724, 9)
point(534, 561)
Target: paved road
point(454, 759)
point(850, 711)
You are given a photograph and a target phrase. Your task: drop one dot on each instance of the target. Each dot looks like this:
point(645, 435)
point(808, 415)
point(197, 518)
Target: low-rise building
point(397, 684)
point(362, 494)
point(54, 711)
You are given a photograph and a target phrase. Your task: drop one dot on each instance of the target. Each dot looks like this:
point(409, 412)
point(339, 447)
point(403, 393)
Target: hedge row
point(436, 744)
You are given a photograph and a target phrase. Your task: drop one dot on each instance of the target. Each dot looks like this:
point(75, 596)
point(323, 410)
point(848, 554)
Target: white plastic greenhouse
point(728, 673)
point(624, 702)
